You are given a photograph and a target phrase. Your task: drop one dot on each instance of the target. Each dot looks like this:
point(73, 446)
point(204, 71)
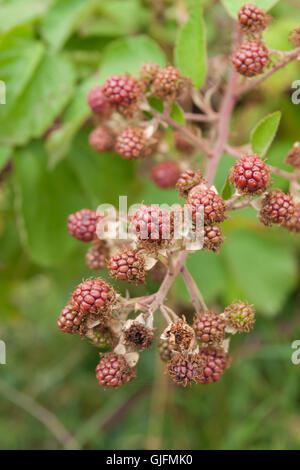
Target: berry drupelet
point(122, 91)
point(153, 224)
point(129, 265)
point(215, 362)
point(131, 144)
point(94, 296)
point(168, 83)
point(277, 208)
point(101, 139)
point(97, 255)
point(113, 371)
point(252, 18)
point(165, 174)
point(293, 223)
point(213, 205)
point(240, 316)
point(250, 59)
point(188, 180)
point(250, 175)
point(209, 328)
point(213, 238)
point(166, 349)
point(70, 320)
point(83, 224)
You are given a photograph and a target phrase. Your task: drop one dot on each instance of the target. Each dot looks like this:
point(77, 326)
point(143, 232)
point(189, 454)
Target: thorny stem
point(288, 57)
point(200, 117)
point(197, 298)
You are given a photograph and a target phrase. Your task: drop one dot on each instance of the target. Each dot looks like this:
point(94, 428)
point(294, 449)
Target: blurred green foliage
point(51, 53)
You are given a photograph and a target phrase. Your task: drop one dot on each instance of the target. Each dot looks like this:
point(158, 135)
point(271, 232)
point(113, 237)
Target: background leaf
point(13, 13)
point(263, 134)
point(190, 51)
point(177, 113)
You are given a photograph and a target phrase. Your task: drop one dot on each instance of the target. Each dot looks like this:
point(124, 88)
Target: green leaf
point(233, 6)
point(44, 200)
point(119, 57)
point(190, 51)
point(263, 134)
point(5, 153)
point(261, 270)
point(177, 113)
point(40, 103)
point(63, 18)
point(227, 190)
point(156, 103)
point(14, 13)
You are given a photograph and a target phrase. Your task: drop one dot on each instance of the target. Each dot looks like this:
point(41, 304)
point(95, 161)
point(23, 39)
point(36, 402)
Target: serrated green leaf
point(233, 6)
point(40, 103)
point(190, 51)
point(177, 113)
point(264, 133)
point(227, 190)
point(63, 18)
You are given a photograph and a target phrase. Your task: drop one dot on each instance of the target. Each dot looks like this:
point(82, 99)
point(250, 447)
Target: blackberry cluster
point(185, 369)
point(122, 91)
point(277, 208)
point(113, 371)
point(209, 328)
point(250, 59)
point(293, 223)
point(131, 144)
point(168, 83)
point(129, 265)
point(148, 72)
point(213, 205)
point(188, 180)
point(98, 103)
point(213, 238)
point(70, 320)
point(166, 350)
point(250, 175)
point(240, 316)
point(94, 296)
point(215, 361)
point(153, 225)
point(103, 338)
point(101, 139)
point(165, 174)
point(97, 255)
point(82, 224)
point(252, 18)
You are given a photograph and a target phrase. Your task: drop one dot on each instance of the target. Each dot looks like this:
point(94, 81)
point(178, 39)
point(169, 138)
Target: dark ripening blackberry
point(213, 205)
point(153, 226)
point(215, 361)
point(250, 59)
point(131, 144)
point(252, 18)
point(165, 174)
point(98, 103)
point(213, 238)
point(166, 350)
point(181, 334)
point(293, 157)
point(97, 255)
point(250, 175)
point(101, 139)
point(209, 328)
point(168, 83)
point(95, 298)
point(82, 224)
point(188, 180)
point(128, 265)
point(277, 208)
point(240, 316)
point(184, 369)
point(114, 371)
point(70, 320)
point(293, 223)
point(123, 91)
point(138, 336)
point(148, 73)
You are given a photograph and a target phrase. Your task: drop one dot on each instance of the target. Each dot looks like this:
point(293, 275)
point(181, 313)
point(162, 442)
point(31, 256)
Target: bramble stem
point(196, 296)
point(200, 117)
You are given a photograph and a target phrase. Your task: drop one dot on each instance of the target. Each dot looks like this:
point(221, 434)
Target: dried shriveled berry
point(70, 320)
point(101, 139)
point(168, 83)
point(153, 225)
point(251, 58)
point(213, 238)
point(252, 18)
point(123, 91)
point(166, 350)
point(180, 334)
point(209, 328)
point(188, 180)
point(165, 174)
point(98, 103)
point(215, 362)
point(132, 144)
point(293, 223)
point(293, 157)
point(82, 224)
point(94, 297)
point(277, 208)
point(185, 368)
point(97, 255)
point(138, 336)
point(114, 371)
point(213, 205)
point(240, 316)
point(128, 265)
point(148, 72)
point(250, 175)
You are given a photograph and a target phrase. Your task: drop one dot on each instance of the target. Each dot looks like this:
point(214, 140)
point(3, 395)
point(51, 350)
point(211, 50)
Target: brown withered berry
point(184, 369)
point(138, 336)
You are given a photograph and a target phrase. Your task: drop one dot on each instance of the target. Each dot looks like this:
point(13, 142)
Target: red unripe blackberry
point(148, 73)
point(152, 223)
point(215, 362)
point(82, 224)
point(276, 208)
point(97, 255)
point(123, 91)
point(213, 205)
point(69, 320)
point(101, 139)
point(250, 59)
point(183, 144)
point(131, 144)
point(165, 174)
point(293, 224)
point(113, 370)
point(188, 180)
point(93, 296)
point(184, 369)
point(240, 316)
point(209, 328)
point(252, 18)
point(250, 175)
point(293, 157)
point(213, 238)
point(128, 265)
point(168, 83)
point(166, 350)
point(98, 103)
